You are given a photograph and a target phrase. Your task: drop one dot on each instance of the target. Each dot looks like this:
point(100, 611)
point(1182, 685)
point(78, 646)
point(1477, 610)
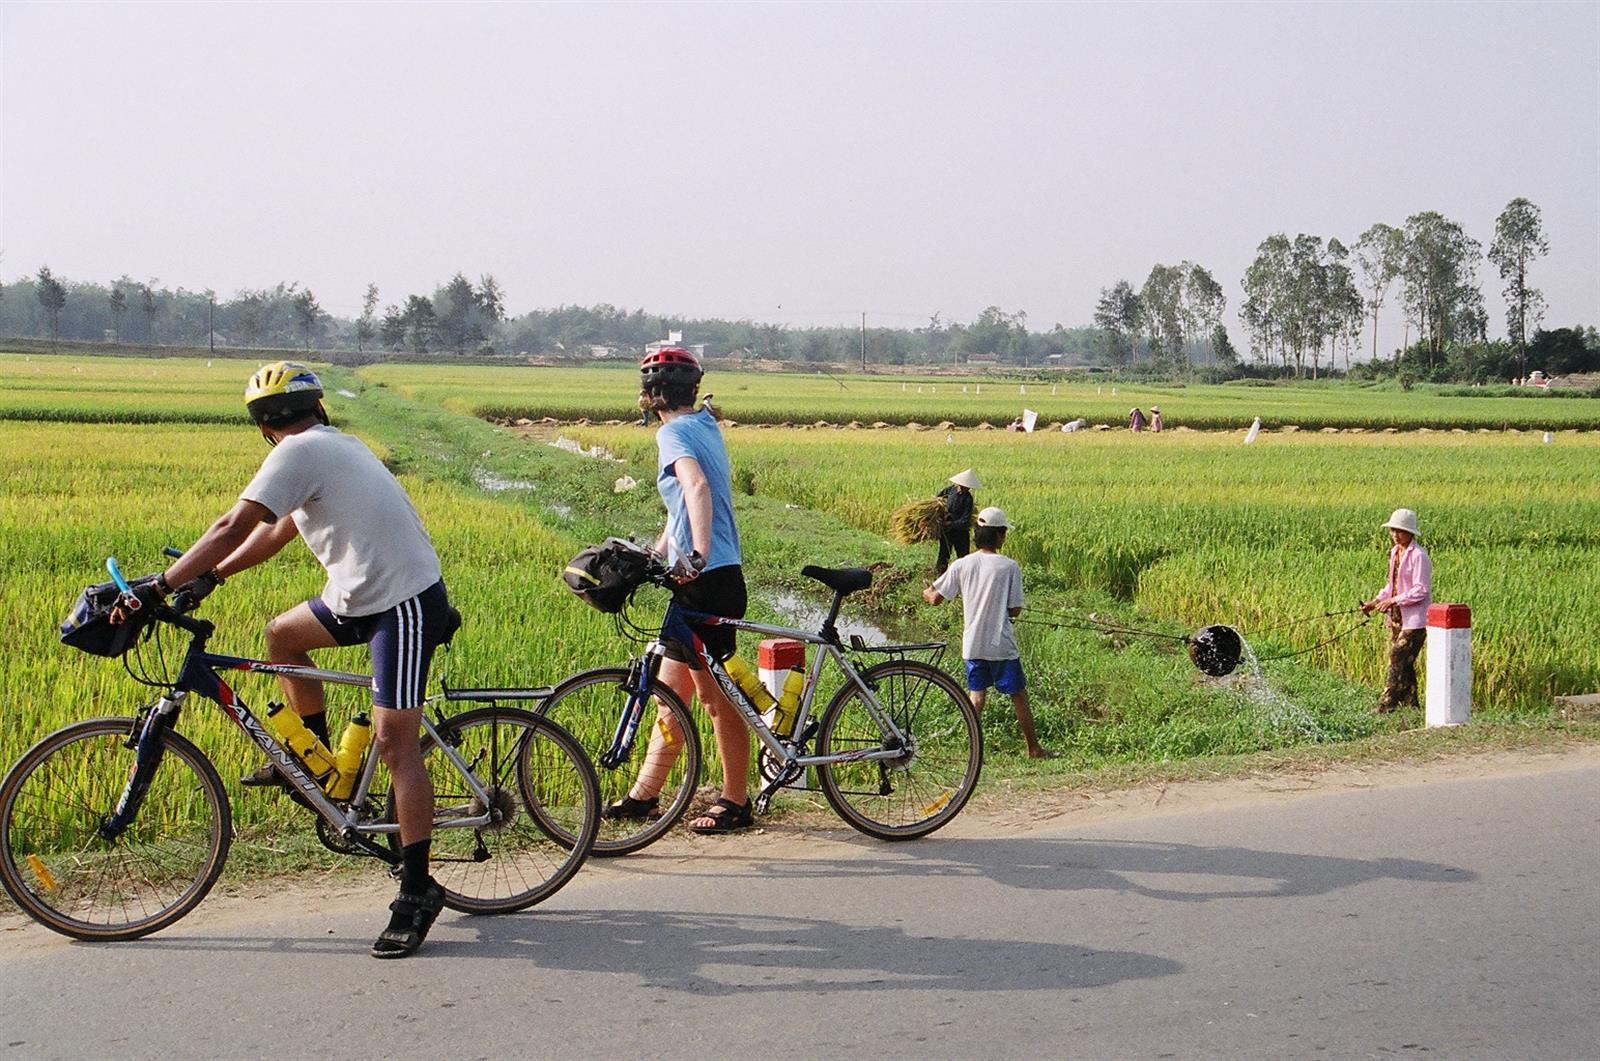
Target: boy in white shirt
point(990, 588)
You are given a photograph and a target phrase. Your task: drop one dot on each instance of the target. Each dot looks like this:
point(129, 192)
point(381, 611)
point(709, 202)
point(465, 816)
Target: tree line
point(1307, 301)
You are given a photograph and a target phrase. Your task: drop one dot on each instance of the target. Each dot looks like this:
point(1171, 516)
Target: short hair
point(672, 396)
point(988, 537)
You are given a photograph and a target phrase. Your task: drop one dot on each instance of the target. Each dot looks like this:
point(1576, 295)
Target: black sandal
point(629, 809)
point(422, 910)
point(728, 816)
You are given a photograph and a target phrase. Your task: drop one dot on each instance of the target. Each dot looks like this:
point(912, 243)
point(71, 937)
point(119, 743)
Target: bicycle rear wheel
point(590, 705)
point(56, 865)
point(924, 788)
point(547, 806)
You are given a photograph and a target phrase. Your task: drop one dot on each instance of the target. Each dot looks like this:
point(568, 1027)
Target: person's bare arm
point(241, 537)
point(696, 502)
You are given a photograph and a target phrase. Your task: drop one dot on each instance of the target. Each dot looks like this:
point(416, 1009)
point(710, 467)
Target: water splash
point(1274, 710)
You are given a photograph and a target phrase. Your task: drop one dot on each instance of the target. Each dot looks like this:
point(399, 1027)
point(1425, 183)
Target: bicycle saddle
point(839, 579)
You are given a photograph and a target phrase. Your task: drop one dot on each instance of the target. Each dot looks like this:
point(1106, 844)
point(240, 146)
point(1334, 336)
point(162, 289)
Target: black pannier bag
point(606, 575)
point(88, 626)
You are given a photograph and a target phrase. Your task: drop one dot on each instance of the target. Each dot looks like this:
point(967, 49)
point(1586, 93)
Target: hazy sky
point(784, 162)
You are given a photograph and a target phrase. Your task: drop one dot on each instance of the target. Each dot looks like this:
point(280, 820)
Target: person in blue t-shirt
point(701, 538)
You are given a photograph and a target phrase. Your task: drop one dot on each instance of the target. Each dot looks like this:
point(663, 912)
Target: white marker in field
point(1021, 389)
point(1255, 429)
point(980, 388)
point(1547, 437)
point(1029, 418)
point(1449, 698)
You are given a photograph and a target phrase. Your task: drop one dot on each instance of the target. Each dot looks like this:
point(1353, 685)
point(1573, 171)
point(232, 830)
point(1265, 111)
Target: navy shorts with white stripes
point(401, 640)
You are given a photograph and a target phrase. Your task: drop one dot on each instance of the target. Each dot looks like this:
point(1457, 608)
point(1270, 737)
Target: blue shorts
point(1004, 674)
point(401, 641)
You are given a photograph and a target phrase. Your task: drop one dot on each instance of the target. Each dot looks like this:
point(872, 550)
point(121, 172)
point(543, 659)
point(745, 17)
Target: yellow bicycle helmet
point(282, 393)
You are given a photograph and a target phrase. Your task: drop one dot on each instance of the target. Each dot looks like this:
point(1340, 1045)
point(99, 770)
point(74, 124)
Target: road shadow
point(741, 954)
point(714, 955)
point(1190, 872)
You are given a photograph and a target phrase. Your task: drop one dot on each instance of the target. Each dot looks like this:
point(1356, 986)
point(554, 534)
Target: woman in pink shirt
point(1405, 598)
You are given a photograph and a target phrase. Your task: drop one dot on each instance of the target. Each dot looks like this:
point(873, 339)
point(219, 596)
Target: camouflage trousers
point(1401, 690)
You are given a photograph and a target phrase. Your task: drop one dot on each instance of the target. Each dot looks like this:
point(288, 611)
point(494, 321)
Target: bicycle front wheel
point(58, 867)
point(590, 705)
point(926, 785)
point(546, 805)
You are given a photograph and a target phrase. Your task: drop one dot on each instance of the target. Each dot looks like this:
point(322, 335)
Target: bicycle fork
point(641, 679)
point(148, 746)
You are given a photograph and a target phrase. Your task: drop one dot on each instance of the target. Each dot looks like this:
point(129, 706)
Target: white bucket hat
point(966, 479)
point(1406, 520)
point(994, 517)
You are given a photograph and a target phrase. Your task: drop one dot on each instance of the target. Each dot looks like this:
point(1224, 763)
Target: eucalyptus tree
point(119, 308)
point(1266, 298)
point(308, 316)
point(1380, 255)
point(1519, 239)
point(366, 325)
point(148, 303)
point(1439, 275)
point(1161, 313)
point(1118, 314)
point(1203, 303)
point(52, 296)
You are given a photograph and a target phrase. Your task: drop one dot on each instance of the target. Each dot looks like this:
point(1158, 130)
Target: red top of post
point(781, 653)
point(1450, 616)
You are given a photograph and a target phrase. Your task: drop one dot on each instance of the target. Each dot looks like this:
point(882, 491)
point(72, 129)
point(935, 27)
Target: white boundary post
point(1449, 696)
point(774, 659)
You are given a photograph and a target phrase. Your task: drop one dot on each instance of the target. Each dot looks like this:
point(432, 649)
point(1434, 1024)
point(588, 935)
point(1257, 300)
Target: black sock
point(318, 725)
point(414, 874)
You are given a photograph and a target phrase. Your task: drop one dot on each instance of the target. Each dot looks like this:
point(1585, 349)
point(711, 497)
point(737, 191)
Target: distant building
point(602, 351)
point(676, 339)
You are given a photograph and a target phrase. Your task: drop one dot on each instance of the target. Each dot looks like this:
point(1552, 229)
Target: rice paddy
point(119, 457)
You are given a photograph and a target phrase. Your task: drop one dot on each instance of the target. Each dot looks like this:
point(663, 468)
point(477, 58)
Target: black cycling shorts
point(720, 591)
point(401, 641)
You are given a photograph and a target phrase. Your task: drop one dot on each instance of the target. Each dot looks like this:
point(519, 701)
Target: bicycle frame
point(642, 677)
point(200, 675)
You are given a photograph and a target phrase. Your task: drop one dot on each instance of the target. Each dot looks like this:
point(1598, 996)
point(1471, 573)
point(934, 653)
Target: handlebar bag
point(605, 576)
point(88, 627)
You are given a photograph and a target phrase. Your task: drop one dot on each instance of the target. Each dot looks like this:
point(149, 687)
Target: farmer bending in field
point(990, 588)
point(383, 590)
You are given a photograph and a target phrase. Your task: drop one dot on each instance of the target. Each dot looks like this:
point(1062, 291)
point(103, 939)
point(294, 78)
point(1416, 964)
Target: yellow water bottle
point(749, 681)
point(789, 703)
point(311, 752)
point(347, 760)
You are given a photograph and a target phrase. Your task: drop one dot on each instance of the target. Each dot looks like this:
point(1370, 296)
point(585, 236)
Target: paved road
point(1455, 918)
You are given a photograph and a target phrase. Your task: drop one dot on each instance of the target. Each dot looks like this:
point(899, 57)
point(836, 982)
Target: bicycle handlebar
point(116, 575)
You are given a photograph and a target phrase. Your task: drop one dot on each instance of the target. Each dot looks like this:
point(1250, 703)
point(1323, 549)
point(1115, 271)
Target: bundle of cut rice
point(917, 521)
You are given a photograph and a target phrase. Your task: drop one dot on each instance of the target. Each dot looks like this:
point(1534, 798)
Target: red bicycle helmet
point(670, 366)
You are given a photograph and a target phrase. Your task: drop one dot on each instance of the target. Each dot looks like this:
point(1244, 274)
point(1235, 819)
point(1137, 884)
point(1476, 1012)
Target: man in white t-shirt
point(384, 590)
point(990, 588)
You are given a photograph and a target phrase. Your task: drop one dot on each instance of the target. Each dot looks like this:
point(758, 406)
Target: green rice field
point(605, 393)
point(120, 456)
